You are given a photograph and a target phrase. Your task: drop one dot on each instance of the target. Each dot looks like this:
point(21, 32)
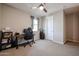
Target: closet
point(48, 27)
point(72, 26)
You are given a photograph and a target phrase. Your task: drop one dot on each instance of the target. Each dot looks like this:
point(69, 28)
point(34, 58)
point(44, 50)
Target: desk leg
point(25, 44)
point(16, 43)
point(0, 47)
point(33, 40)
point(17, 47)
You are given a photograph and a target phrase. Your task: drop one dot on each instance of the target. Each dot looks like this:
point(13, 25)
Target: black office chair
point(28, 35)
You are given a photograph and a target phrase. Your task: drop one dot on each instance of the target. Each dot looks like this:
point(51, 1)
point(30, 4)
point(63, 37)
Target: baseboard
point(37, 40)
point(74, 41)
point(57, 41)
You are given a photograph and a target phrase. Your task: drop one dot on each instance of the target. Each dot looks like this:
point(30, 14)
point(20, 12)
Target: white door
point(45, 27)
point(50, 28)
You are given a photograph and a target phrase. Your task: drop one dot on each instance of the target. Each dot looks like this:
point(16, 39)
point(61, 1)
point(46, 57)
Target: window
point(35, 24)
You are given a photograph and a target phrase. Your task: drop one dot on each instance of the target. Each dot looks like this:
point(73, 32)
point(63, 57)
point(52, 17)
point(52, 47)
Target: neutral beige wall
point(15, 19)
point(42, 22)
point(76, 27)
point(0, 16)
point(72, 27)
point(69, 27)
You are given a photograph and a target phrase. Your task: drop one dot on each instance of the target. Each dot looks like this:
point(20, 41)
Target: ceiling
point(51, 7)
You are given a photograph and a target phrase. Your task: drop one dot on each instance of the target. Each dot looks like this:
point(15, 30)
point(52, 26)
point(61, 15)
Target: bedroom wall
point(76, 27)
point(15, 19)
point(69, 26)
point(0, 16)
point(72, 27)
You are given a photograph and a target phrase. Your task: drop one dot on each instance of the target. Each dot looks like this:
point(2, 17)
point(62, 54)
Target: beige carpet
point(43, 48)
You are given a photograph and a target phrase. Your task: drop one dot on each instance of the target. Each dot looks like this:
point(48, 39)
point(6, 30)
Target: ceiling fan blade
point(45, 10)
point(40, 5)
point(43, 6)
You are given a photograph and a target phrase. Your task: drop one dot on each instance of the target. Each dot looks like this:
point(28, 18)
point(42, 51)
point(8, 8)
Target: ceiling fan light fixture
point(41, 7)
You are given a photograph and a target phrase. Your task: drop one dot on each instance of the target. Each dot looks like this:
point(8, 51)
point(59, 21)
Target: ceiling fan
point(42, 6)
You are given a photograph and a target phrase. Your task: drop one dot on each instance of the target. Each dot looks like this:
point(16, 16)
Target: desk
point(6, 39)
point(7, 35)
point(19, 40)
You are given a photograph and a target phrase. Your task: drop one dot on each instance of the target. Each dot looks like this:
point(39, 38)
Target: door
point(50, 28)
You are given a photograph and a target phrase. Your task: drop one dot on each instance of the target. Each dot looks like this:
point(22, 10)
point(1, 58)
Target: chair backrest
point(24, 31)
point(28, 33)
point(16, 34)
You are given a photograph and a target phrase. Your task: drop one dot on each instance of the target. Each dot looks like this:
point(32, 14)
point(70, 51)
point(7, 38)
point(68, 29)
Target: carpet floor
point(44, 48)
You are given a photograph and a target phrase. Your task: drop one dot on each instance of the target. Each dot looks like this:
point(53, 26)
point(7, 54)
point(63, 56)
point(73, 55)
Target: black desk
point(19, 40)
point(5, 40)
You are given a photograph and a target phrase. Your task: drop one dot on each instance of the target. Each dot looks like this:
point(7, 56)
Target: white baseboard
point(58, 42)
